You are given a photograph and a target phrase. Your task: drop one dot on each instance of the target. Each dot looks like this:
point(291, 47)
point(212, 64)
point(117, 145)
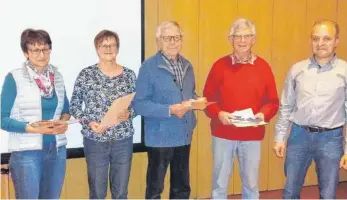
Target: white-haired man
point(165, 82)
point(239, 81)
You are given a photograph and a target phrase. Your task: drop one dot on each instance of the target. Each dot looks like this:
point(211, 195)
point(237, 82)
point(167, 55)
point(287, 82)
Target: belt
point(318, 129)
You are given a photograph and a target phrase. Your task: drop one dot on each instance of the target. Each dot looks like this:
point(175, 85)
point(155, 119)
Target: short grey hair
point(165, 25)
point(242, 21)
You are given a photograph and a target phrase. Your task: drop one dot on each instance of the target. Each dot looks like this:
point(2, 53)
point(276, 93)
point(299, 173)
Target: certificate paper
point(118, 106)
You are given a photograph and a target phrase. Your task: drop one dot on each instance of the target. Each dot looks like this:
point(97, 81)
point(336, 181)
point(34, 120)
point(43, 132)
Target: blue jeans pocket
point(295, 135)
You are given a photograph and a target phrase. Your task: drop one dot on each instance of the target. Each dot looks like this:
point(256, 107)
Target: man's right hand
point(96, 127)
point(179, 109)
point(224, 117)
point(343, 162)
point(280, 149)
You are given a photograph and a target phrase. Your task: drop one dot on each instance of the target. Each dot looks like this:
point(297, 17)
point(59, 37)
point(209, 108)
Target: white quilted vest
point(27, 108)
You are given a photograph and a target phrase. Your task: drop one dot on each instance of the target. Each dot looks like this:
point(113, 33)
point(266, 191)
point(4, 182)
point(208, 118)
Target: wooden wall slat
point(214, 24)
point(288, 36)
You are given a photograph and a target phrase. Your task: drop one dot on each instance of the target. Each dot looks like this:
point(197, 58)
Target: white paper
point(246, 113)
point(249, 124)
point(245, 118)
point(72, 121)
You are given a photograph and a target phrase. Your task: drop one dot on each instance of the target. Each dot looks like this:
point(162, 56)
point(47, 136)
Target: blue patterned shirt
point(97, 91)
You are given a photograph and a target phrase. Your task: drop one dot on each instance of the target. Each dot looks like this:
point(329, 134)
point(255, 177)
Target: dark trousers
point(159, 159)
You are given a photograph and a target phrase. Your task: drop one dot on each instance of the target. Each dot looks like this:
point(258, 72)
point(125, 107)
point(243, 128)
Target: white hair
point(242, 22)
point(165, 25)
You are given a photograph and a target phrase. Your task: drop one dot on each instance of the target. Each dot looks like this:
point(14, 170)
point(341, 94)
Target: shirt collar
point(328, 66)
point(167, 59)
point(250, 60)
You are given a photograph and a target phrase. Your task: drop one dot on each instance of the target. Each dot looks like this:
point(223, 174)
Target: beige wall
point(283, 29)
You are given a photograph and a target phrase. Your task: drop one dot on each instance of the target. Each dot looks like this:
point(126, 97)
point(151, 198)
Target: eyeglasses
point(175, 38)
point(239, 37)
point(111, 46)
point(37, 52)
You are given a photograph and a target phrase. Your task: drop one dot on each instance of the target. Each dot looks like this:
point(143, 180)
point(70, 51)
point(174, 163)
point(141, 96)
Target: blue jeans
point(104, 157)
point(38, 174)
point(325, 148)
point(224, 152)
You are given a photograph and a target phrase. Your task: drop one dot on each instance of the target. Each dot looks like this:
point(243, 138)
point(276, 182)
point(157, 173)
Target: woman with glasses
point(34, 108)
point(109, 150)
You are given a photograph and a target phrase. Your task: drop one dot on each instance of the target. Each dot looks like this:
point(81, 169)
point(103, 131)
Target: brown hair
point(104, 35)
point(32, 36)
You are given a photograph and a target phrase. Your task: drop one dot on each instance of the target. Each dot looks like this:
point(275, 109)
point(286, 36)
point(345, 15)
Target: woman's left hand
point(60, 126)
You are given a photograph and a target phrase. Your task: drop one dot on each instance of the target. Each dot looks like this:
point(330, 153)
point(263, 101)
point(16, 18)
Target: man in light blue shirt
point(313, 107)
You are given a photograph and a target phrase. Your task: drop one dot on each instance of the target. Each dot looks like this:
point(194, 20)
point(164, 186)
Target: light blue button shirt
point(314, 96)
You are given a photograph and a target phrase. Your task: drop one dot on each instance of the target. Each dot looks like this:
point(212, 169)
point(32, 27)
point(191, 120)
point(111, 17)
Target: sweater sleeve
point(8, 96)
point(212, 92)
point(143, 103)
point(270, 100)
point(76, 101)
point(66, 105)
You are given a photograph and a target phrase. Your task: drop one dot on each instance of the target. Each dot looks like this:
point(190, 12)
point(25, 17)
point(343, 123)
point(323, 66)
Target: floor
point(309, 192)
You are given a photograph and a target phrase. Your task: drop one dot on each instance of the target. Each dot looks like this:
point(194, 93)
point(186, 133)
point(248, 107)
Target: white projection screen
point(72, 25)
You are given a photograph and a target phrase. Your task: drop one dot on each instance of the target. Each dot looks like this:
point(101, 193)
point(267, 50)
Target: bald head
point(327, 25)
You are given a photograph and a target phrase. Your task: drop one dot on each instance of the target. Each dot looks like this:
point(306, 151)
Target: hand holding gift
point(197, 104)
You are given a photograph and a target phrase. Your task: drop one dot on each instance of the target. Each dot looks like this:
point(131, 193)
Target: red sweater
point(237, 87)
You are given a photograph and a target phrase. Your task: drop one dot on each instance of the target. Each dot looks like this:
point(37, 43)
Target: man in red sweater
point(239, 81)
